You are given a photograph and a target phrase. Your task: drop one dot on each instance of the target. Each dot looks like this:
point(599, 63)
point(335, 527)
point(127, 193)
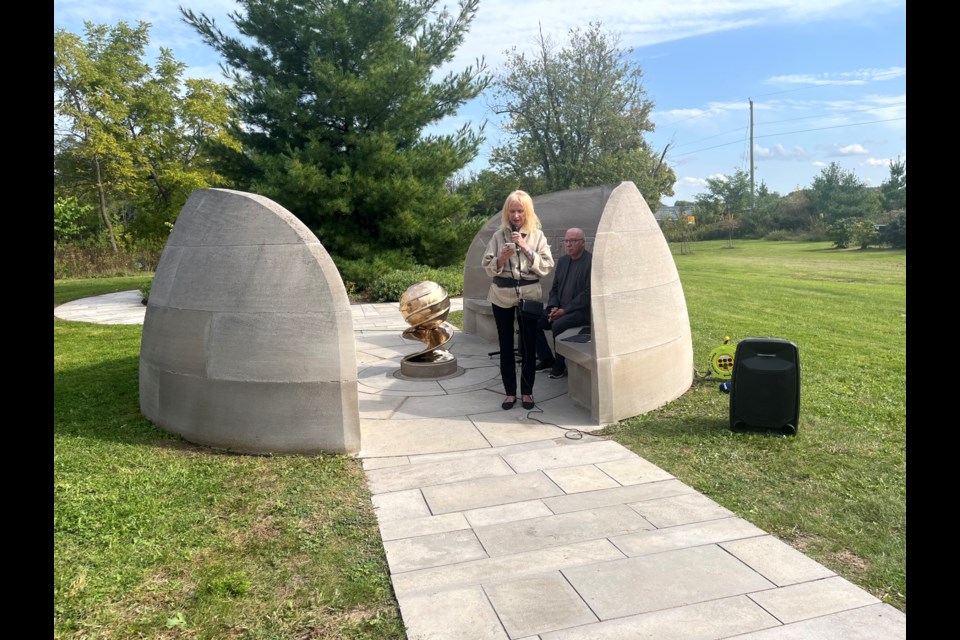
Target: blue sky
point(827, 77)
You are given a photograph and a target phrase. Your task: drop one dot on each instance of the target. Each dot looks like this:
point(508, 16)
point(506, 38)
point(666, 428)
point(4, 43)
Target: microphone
point(514, 228)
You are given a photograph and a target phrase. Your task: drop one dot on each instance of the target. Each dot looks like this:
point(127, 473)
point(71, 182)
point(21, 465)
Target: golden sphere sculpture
point(425, 307)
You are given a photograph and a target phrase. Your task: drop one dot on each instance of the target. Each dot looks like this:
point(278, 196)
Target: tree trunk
point(102, 201)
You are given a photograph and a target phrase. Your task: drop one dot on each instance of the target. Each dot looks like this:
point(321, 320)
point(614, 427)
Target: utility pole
point(751, 154)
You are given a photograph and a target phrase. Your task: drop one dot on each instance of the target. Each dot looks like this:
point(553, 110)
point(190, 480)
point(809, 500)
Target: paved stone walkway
point(521, 524)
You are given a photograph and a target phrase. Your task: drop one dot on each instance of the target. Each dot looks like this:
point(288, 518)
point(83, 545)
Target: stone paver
point(432, 550)
point(425, 475)
point(592, 524)
point(663, 580)
point(537, 604)
point(682, 509)
point(813, 599)
point(776, 561)
point(487, 492)
point(687, 535)
point(710, 620)
point(493, 570)
point(864, 623)
point(460, 614)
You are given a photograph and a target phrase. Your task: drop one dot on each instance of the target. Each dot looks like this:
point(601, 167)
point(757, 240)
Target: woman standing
point(517, 256)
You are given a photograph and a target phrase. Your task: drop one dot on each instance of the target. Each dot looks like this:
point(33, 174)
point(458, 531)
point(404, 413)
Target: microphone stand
point(518, 358)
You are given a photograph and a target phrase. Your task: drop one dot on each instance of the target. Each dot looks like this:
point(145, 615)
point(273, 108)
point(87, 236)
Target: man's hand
point(555, 314)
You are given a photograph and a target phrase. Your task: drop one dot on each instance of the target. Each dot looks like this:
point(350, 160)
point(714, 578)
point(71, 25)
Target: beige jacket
point(519, 265)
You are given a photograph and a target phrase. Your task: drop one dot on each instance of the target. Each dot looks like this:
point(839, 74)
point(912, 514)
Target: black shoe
point(558, 373)
point(508, 404)
point(528, 404)
point(544, 366)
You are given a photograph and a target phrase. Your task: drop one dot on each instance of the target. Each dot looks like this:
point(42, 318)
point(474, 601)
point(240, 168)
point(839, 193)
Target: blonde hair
point(530, 219)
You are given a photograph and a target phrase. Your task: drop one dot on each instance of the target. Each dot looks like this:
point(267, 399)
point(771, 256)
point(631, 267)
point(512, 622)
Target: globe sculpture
point(425, 307)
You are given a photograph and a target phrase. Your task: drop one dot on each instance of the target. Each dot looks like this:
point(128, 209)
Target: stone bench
point(478, 319)
point(581, 364)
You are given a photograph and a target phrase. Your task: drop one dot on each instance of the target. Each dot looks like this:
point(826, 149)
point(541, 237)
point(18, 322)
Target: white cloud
point(857, 77)
point(877, 162)
point(819, 163)
point(779, 152)
point(689, 181)
point(642, 23)
point(705, 116)
point(852, 150)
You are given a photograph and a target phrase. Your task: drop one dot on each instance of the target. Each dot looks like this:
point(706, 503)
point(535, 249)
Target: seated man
point(569, 302)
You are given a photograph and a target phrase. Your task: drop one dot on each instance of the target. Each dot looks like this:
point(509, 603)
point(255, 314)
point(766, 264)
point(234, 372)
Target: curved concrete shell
point(641, 356)
point(642, 345)
point(248, 337)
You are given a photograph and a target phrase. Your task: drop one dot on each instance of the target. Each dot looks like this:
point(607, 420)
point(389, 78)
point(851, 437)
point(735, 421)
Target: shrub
point(894, 234)
point(839, 232)
point(780, 235)
point(863, 233)
point(390, 286)
point(674, 231)
point(710, 231)
point(68, 215)
point(85, 261)
point(359, 273)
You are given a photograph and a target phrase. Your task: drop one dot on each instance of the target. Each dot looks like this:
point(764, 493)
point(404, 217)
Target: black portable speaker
point(765, 386)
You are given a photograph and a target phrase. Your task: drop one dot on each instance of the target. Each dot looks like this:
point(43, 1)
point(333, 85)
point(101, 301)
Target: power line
point(786, 133)
point(834, 113)
point(818, 115)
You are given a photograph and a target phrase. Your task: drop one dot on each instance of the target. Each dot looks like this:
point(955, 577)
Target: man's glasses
point(565, 241)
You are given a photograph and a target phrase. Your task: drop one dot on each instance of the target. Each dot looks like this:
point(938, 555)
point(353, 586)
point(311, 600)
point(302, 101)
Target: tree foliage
point(726, 195)
point(837, 194)
point(894, 233)
point(128, 133)
point(894, 189)
point(334, 98)
point(577, 116)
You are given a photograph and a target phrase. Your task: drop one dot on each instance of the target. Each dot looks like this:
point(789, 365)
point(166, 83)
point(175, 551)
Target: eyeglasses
point(565, 241)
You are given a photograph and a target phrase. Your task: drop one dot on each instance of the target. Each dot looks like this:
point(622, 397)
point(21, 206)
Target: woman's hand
point(505, 254)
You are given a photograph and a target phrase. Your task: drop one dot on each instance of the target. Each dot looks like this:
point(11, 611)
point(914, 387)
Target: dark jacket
point(582, 299)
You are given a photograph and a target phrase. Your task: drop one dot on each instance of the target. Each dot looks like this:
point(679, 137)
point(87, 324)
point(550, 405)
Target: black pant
point(567, 321)
point(505, 318)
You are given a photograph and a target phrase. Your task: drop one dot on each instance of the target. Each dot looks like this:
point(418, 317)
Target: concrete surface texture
point(641, 353)
point(248, 339)
point(521, 524)
point(641, 339)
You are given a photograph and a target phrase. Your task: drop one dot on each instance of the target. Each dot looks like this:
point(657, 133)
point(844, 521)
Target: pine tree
point(334, 98)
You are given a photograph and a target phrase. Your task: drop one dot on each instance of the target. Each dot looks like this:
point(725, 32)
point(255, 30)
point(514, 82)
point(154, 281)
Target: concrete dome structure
point(248, 337)
point(641, 353)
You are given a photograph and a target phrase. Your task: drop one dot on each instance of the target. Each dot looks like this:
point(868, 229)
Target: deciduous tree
point(726, 195)
point(128, 132)
point(577, 116)
point(93, 81)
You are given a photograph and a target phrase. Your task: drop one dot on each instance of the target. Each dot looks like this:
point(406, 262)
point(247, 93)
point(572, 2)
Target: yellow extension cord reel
point(721, 360)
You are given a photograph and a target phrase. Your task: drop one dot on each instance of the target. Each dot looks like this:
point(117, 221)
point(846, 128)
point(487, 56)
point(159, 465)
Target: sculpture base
point(435, 364)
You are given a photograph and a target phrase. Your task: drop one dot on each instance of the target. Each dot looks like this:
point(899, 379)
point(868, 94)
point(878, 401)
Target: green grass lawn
point(836, 491)
point(157, 538)
point(154, 537)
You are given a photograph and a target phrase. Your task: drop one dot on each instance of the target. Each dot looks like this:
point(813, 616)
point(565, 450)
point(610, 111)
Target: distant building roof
point(667, 213)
